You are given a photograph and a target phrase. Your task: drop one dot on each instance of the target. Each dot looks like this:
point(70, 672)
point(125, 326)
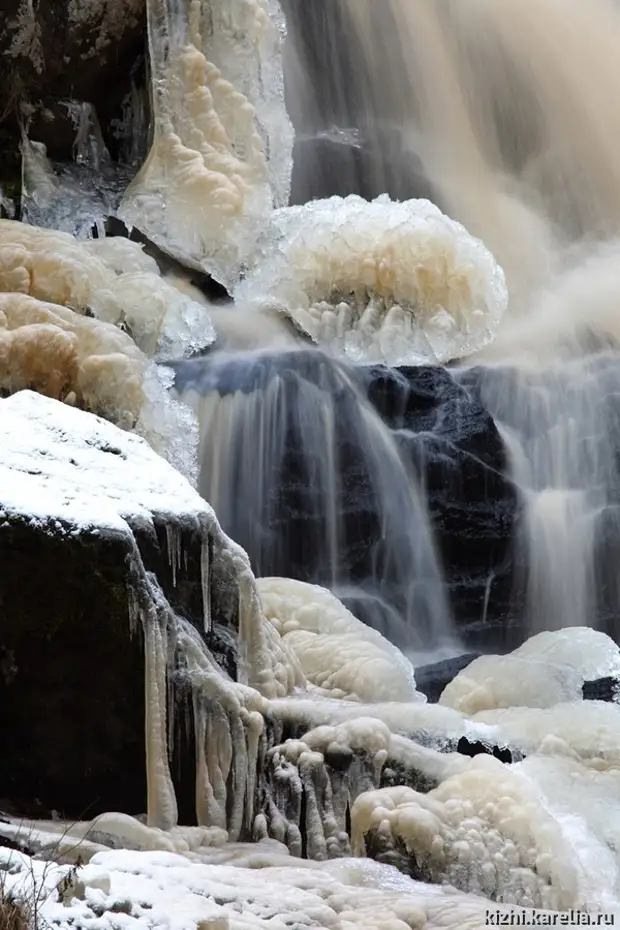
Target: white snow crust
point(256, 888)
point(62, 466)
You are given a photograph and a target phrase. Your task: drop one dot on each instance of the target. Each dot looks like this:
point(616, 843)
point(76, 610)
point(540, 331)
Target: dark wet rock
point(71, 675)
point(86, 51)
point(603, 689)
point(473, 748)
point(456, 448)
point(72, 667)
point(341, 163)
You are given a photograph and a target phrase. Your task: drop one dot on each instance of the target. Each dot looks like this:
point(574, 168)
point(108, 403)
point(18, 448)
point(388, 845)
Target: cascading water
point(305, 475)
point(519, 143)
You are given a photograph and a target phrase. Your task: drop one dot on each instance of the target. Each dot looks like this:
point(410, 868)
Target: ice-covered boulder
point(553, 667)
point(108, 558)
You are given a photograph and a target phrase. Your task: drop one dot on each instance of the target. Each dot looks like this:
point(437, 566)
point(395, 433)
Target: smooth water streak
point(303, 473)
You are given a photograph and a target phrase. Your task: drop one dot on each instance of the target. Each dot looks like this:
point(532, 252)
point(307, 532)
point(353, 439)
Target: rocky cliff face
point(54, 57)
point(461, 460)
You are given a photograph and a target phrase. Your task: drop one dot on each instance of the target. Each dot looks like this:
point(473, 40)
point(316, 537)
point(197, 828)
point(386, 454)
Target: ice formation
point(399, 283)
point(58, 301)
point(589, 730)
point(221, 153)
point(75, 196)
point(508, 833)
point(548, 669)
point(112, 278)
point(340, 655)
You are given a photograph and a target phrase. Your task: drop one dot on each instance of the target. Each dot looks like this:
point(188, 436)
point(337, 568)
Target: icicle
point(254, 728)
point(174, 544)
point(239, 777)
point(207, 810)
point(162, 806)
point(133, 602)
point(312, 772)
point(217, 710)
point(205, 582)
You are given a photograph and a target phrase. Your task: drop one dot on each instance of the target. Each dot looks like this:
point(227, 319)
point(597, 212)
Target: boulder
point(432, 679)
point(88, 513)
point(460, 457)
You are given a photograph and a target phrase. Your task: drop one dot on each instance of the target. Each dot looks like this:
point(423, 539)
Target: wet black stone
point(603, 689)
point(72, 668)
point(474, 748)
point(460, 458)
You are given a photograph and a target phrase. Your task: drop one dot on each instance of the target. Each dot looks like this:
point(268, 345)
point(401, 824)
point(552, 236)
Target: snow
point(379, 281)
point(60, 466)
point(257, 888)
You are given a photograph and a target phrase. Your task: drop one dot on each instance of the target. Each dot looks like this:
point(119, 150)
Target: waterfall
point(306, 477)
point(379, 397)
point(485, 101)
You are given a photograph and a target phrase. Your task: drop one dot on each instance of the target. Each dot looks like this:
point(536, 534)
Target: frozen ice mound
point(80, 322)
point(548, 669)
point(379, 281)
point(340, 656)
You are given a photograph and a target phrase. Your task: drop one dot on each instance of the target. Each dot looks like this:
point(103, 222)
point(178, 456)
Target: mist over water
point(508, 109)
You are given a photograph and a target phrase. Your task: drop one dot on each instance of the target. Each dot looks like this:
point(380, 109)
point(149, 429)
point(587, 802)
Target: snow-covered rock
point(106, 553)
